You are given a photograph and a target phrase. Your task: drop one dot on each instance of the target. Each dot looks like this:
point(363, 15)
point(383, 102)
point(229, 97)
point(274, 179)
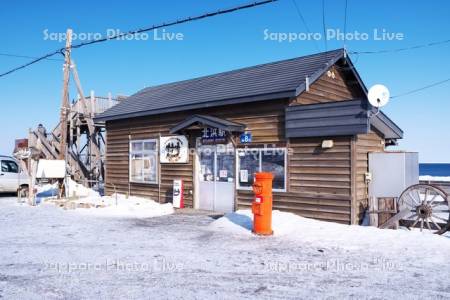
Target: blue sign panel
point(246, 138)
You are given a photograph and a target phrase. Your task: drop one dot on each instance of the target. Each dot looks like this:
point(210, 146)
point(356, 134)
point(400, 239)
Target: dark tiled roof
point(280, 79)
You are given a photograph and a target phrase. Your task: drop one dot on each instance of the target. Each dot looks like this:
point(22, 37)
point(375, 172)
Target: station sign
point(211, 135)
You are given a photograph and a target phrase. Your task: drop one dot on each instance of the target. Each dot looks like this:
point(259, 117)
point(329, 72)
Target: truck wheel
point(23, 192)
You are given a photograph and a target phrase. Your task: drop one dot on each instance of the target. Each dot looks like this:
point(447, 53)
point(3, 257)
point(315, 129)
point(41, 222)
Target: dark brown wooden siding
point(326, 89)
point(117, 159)
point(363, 145)
point(265, 122)
point(318, 181)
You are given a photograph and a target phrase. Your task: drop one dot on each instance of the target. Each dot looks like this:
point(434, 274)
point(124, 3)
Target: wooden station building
point(307, 120)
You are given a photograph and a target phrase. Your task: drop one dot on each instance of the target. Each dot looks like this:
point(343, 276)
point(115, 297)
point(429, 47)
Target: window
point(248, 165)
point(271, 160)
point(9, 166)
point(144, 161)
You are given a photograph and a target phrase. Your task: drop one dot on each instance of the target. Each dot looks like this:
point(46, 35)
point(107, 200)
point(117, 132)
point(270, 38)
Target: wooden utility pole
point(65, 106)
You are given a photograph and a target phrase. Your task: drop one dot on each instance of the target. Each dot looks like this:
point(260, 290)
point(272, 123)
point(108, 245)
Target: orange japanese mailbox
point(262, 204)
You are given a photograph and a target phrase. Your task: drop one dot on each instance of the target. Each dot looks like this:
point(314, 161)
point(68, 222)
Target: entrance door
point(216, 177)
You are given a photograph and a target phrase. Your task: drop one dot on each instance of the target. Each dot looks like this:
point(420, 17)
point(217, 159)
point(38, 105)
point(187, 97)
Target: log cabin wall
point(265, 122)
point(362, 145)
point(326, 89)
point(318, 181)
point(118, 135)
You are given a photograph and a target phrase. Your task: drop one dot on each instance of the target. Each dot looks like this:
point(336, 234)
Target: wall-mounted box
point(392, 173)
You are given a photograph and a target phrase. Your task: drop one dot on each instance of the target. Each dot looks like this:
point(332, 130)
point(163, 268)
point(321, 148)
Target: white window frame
point(238, 167)
point(156, 152)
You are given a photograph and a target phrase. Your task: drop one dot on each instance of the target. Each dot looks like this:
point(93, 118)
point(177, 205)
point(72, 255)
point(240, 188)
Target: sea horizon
point(434, 169)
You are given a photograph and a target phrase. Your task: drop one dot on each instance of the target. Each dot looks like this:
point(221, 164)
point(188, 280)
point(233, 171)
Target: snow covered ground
point(47, 252)
point(123, 207)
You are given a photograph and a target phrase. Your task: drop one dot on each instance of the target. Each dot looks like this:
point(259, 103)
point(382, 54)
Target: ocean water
point(434, 169)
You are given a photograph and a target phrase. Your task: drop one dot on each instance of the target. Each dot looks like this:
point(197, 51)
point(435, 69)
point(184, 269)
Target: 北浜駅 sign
point(211, 135)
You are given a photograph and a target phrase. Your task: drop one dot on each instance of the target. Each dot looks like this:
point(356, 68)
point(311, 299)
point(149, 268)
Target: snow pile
point(120, 206)
point(240, 221)
point(294, 227)
point(74, 190)
point(434, 178)
point(87, 201)
point(283, 224)
point(78, 190)
point(47, 190)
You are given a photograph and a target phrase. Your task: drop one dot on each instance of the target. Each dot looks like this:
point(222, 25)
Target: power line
point(431, 44)
point(299, 13)
point(349, 67)
point(25, 56)
point(32, 62)
point(422, 88)
point(399, 95)
point(177, 22)
point(345, 22)
point(323, 25)
point(402, 49)
point(141, 30)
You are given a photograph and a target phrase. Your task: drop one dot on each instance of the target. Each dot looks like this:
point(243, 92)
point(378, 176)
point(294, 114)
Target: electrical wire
point(345, 22)
point(141, 30)
point(421, 88)
point(323, 25)
point(176, 22)
point(25, 56)
point(402, 49)
point(354, 62)
point(32, 62)
point(299, 13)
point(399, 95)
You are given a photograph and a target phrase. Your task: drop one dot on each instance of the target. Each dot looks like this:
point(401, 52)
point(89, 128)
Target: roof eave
point(355, 72)
point(392, 132)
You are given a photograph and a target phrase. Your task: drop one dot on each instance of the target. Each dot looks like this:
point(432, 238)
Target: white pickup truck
point(12, 178)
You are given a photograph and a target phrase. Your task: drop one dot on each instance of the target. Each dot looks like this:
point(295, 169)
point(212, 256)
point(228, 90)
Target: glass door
point(216, 178)
point(206, 156)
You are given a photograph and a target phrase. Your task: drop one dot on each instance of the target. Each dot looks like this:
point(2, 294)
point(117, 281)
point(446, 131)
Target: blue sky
point(32, 95)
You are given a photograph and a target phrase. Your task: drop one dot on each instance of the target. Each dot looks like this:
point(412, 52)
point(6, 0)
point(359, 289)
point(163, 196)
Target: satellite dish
point(378, 95)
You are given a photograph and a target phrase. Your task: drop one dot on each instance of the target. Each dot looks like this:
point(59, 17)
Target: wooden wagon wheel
point(428, 207)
